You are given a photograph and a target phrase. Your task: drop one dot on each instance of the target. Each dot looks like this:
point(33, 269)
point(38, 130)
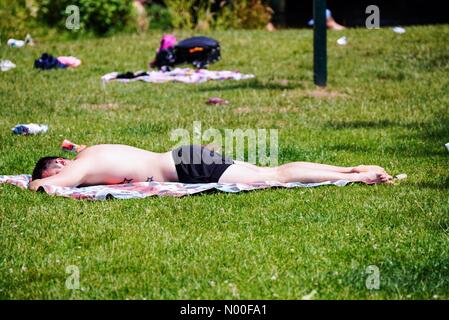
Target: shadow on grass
point(434, 134)
point(370, 124)
point(434, 185)
point(398, 150)
point(418, 276)
point(297, 154)
point(254, 85)
point(437, 130)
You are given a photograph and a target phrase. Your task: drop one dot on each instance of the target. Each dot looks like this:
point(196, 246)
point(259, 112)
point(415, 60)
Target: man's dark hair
point(41, 165)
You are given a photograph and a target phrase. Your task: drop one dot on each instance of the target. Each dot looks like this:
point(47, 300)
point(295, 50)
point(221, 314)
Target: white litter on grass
point(401, 176)
point(29, 40)
point(6, 65)
point(30, 128)
point(399, 30)
point(13, 43)
point(447, 146)
point(342, 41)
point(310, 295)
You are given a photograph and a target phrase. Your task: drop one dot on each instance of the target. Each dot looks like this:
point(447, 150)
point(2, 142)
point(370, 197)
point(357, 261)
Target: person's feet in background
point(330, 22)
point(270, 27)
point(333, 25)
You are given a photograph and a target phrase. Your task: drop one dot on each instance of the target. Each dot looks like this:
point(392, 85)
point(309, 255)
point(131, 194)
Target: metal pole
point(319, 43)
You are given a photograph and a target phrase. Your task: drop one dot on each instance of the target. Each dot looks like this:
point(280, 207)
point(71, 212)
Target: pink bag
point(168, 41)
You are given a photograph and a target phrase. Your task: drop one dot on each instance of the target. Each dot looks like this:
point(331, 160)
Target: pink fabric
point(70, 61)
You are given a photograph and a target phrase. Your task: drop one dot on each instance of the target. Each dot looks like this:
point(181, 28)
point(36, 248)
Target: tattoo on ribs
point(126, 181)
point(150, 179)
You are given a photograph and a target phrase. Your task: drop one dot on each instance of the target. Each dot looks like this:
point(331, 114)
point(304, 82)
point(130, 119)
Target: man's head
point(48, 166)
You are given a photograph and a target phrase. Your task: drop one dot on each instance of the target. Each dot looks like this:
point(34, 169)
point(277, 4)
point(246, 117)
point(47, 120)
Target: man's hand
point(35, 184)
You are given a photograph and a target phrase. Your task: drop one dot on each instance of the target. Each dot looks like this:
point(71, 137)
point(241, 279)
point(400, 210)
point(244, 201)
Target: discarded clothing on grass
point(70, 61)
point(131, 75)
point(148, 189)
point(184, 75)
point(30, 128)
point(47, 62)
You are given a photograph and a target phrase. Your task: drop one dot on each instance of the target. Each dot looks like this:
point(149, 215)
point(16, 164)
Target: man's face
point(55, 167)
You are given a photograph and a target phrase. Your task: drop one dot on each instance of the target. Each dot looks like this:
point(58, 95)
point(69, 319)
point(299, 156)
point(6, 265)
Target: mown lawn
point(387, 103)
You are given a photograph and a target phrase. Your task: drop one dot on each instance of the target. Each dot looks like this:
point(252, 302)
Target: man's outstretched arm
point(71, 176)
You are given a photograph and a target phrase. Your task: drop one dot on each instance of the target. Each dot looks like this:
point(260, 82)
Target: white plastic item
point(13, 43)
point(30, 128)
point(6, 65)
point(342, 41)
point(399, 30)
point(29, 40)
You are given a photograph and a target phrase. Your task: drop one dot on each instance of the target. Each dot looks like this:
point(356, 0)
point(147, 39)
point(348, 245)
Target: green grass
point(388, 106)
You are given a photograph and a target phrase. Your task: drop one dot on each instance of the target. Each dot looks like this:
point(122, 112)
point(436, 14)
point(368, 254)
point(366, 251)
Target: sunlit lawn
point(387, 103)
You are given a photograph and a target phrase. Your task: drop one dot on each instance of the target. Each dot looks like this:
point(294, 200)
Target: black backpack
point(199, 51)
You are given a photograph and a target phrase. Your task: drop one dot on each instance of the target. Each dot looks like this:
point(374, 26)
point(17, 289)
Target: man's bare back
point(111, 164)
point(116, 163)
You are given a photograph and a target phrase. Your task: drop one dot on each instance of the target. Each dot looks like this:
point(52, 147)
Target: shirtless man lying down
point(116, 164)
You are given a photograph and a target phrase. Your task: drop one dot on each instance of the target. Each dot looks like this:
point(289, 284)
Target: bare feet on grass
point(372, 177)
point(370, 174)
point(368, 168)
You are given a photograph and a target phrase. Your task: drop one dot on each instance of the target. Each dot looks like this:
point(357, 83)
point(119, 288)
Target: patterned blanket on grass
point(148, 189)
point(185, 75)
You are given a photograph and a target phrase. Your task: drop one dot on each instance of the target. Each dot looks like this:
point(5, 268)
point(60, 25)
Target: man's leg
point(319, 166)
point(295, 172)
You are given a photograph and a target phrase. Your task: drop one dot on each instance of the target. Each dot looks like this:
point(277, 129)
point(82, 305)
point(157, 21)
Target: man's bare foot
point(368, 168)
point(372, 177)
point(270, 27)
point(333, 25)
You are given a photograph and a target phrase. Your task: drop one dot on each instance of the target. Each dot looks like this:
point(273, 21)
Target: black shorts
point(197, 164)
